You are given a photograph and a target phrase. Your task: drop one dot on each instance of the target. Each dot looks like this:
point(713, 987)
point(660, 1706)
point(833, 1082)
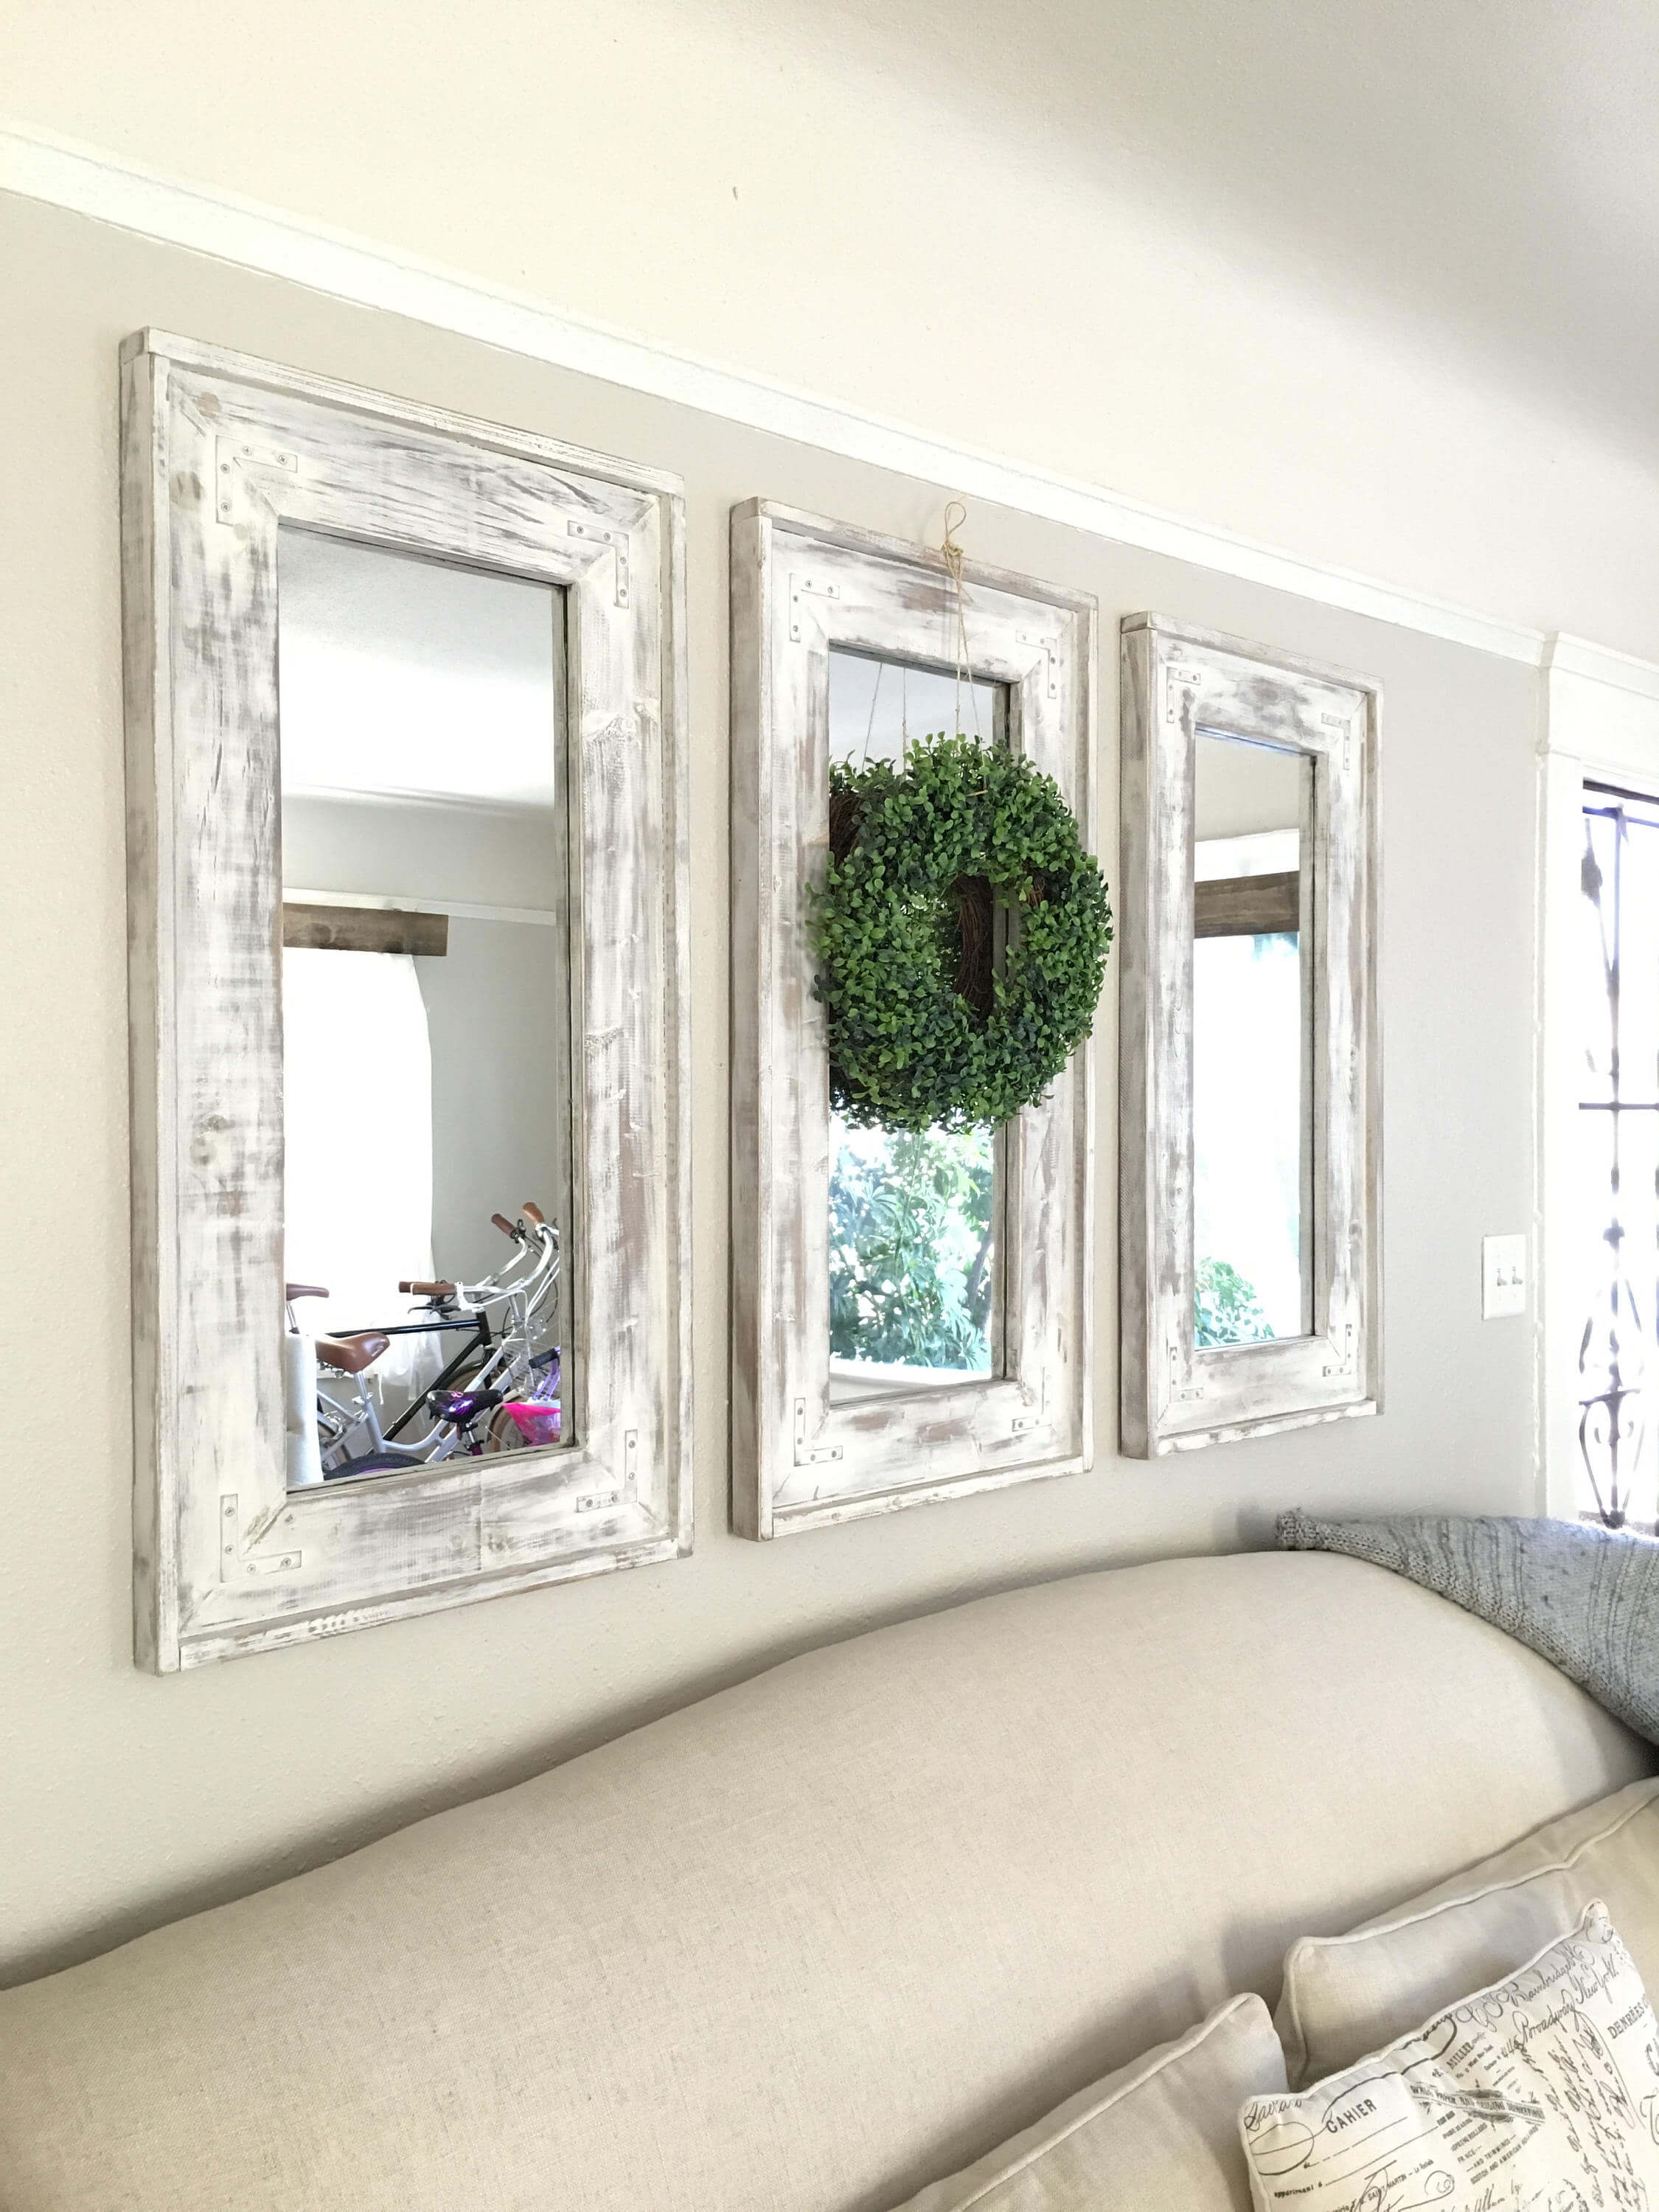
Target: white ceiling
point(1376, 282)
point(407, 678)
point(1492, 166)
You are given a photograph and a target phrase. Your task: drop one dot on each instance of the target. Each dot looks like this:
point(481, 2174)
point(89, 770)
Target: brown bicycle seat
point(427, 1290)
point(351, 1354)
point(305, 1290)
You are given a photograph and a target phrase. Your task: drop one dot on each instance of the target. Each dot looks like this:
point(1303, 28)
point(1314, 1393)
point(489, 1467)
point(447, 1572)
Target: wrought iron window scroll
point(1618, 1157)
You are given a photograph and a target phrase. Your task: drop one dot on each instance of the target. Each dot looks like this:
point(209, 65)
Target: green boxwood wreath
point(923, 1027)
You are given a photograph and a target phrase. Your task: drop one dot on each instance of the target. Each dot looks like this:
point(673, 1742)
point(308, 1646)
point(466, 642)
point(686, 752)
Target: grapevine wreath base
point(930, 863)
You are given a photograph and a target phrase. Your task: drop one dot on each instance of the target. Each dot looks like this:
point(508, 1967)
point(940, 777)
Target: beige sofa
point(818, 1940)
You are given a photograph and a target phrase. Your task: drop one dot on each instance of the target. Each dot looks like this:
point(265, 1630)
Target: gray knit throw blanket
point(1586, 1598)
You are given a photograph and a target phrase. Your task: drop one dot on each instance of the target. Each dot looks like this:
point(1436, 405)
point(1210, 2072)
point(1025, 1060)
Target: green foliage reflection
point(1226, 1307)
point(910, 1248)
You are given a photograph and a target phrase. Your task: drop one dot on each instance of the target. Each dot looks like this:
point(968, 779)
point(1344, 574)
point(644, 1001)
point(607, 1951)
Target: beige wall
point(1369, 282)
point(125, 1799)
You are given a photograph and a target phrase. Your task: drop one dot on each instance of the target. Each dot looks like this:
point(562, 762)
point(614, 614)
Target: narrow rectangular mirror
point(915, 1252)
point(1249, 1116)
point(1252, 1042)
point(425, 1009)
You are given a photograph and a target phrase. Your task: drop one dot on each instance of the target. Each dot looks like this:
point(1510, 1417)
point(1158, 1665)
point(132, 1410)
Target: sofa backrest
point(809, 1943)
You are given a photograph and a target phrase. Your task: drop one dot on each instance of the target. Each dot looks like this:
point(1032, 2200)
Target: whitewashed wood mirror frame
point(1185, 690)
point(813, 1443)
point(218, 451)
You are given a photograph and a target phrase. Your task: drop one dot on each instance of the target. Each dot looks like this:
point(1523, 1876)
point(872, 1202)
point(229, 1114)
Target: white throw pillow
point(1162, 2132)
point(1539, 2091)
point(1345, 1995)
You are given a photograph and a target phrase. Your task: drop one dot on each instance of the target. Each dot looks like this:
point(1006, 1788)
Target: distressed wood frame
point(1175, 682)
point(217, 449)
point(800, 1459)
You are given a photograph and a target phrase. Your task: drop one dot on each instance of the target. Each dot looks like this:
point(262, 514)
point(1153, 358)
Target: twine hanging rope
point(905, 712)
point(953, 557)
point(869, 727)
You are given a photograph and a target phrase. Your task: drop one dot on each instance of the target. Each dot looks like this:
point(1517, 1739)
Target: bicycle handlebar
point(537, 1262)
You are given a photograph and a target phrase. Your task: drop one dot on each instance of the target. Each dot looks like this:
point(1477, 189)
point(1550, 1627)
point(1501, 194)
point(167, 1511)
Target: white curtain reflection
point(357, 1120)
point(1247, 1119)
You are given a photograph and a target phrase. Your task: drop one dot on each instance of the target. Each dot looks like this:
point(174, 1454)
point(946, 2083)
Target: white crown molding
point(1600, 711)
point(40, 166)
point(1565, 655)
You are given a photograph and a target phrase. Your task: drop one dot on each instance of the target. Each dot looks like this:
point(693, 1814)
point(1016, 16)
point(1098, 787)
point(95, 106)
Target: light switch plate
point(1503, 1277)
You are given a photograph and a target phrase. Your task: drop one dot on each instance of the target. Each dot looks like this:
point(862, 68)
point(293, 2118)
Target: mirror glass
point(425, 1009)
point(1252, 1041)
point(914, 1288)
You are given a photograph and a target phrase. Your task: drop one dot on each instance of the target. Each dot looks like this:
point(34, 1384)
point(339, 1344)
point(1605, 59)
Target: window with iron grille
point(1616, 1160)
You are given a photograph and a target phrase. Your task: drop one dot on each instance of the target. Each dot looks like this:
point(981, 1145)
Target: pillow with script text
point(1540, 2091)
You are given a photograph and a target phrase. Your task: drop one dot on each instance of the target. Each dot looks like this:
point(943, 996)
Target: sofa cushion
point(1537, 2091)
point(1163, 2131)
point(1345, 1995)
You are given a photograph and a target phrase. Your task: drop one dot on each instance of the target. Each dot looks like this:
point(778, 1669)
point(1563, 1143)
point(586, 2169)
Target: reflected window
point(914, 1290)
point(1251, 1043)
point(426, 1010)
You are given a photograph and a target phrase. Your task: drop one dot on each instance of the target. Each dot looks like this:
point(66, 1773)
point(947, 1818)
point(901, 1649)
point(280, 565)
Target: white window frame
point(1177, 680)
point(1601, 725)
point(801, 587)
point(217, 449)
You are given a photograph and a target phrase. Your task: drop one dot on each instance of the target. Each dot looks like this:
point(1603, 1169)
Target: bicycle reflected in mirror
point(499, 1388)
